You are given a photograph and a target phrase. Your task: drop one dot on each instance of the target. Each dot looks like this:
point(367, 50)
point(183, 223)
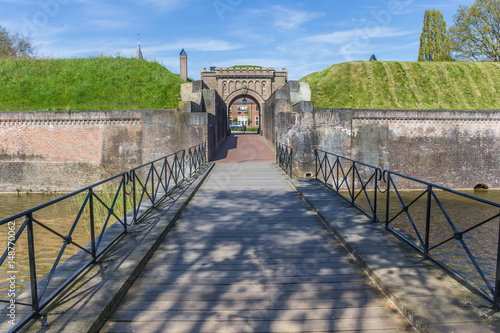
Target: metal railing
point(350, 179)
point(197, 156)
point(427, 242)
point(153, 180)
point(101, 203)
point(284, 158)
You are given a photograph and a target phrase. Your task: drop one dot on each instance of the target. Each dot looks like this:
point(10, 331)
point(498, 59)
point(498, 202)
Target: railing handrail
point(284, 158)
point(351, 186)
point(174, 170)
point(157, 160)
point(45, 205)
point(440, 187)
point(127, 173)
point(379, 170)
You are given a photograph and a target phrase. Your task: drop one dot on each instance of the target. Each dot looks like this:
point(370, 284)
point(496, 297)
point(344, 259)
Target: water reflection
point(477, 247)
point(58, 217)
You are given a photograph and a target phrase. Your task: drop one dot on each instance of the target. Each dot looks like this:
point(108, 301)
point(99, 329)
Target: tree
point(14, 45)
point(248, 113)
point(475, 35)
point(434, 41)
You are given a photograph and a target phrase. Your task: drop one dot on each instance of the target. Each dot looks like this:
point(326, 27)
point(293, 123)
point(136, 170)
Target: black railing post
point(152, 183)
point(428, 221)
point(316, 162)
point(190, 163)
point(124, 184)
point(92, 225)
point(388, 201)
point(375, 196)
point(291, 163)
point(132, 175)
point(176, 169)
point(166, 168)
point(183, 164)
point(337, 183)
point(353, 196)
point(496, 296)
point(178, 162)
point(277, 153)
point(32, 262)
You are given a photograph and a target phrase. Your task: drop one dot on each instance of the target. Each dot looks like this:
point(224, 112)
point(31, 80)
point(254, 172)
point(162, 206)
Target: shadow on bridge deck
point(247, 255)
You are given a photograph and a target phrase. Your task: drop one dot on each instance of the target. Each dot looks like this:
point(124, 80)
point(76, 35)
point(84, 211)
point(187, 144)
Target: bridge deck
point(248, 255)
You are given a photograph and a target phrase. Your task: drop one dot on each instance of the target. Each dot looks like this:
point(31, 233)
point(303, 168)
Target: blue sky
point(303, 36)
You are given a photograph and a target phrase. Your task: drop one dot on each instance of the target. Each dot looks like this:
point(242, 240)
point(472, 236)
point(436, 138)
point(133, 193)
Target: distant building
point(246, 113)
point(138, 55)
point(184, 65)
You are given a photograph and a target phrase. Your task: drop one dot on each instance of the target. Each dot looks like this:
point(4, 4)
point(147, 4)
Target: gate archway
point(253, 115)
point(252, 82)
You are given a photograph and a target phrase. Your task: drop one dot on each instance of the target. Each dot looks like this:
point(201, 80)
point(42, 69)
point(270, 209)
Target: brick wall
point(457, 149)
point(68, 151)
point(197, 98)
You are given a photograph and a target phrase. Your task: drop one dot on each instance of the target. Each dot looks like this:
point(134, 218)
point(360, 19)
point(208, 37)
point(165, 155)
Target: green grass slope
point(407, 85)
point(101, 83)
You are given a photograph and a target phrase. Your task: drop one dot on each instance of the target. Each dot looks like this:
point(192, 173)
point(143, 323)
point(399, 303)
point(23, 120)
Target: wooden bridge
point(254, 251)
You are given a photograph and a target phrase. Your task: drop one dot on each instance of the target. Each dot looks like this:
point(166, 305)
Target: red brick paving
point(241, 148)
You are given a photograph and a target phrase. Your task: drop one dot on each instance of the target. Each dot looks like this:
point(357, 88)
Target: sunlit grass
point(97, 83)
point(101, 212)
point(407, 85)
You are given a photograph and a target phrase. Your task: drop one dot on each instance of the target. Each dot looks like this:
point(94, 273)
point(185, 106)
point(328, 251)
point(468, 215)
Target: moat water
point(58, 217)
point(465, 213)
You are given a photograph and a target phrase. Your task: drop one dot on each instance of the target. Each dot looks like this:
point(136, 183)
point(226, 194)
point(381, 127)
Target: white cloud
point(285, 18)
point(107, 24)
point(196, 45)
point(264, 62)
point(291, 19)
point(348, 36)
point(164, 5)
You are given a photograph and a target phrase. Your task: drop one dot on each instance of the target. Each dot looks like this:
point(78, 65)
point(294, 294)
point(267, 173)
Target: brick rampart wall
point(457, 149)
point(67, 151)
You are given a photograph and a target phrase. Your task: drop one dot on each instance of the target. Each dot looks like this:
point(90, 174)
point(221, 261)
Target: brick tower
point(184, 65)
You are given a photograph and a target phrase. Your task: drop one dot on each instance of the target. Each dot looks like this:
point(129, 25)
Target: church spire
point(139, 52)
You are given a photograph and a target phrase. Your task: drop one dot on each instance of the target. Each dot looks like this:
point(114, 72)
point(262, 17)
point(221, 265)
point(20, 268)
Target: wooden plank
point(238, 305)
point(261, 326)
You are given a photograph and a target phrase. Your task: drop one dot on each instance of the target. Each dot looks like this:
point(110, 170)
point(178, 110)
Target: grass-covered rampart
point(407, 85)
point(100, 83)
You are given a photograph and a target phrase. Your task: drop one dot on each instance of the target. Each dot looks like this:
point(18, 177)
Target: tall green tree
point(434, 41)
point(14, 45)
point(475, 34)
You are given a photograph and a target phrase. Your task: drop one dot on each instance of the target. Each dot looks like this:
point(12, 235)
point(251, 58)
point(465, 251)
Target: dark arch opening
point(481, 187)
